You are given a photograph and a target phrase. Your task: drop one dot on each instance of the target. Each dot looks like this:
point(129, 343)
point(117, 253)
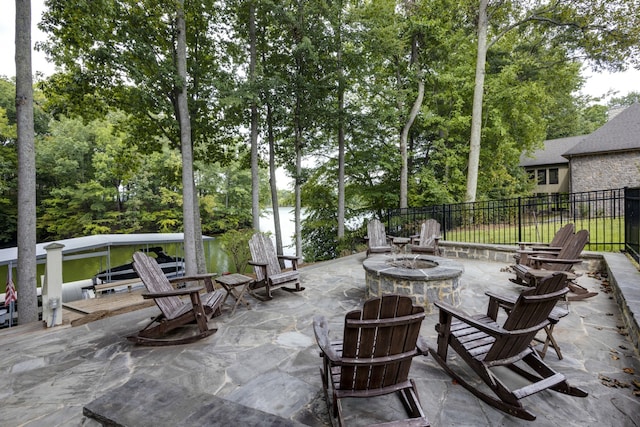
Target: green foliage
point(236, 244)
point(109, 160)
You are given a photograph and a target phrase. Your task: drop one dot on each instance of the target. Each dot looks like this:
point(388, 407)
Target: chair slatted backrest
point(530, 312)
point(383, 335)
point(570, 250)
point(428, 232)
point(262, 250)
point(155, 281)
point(376, 233)
point(562, 235)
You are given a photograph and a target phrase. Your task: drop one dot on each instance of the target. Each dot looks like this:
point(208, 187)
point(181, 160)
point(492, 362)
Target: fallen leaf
point(629, 371)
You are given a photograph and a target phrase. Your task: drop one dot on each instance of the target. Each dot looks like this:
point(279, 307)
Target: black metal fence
point(632, 222)
point(525, 219)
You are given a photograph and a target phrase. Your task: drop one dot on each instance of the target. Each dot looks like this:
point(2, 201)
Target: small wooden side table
point(401, 243)
point(231, 283)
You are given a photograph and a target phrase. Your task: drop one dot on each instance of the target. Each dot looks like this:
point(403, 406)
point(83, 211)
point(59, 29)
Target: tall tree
point(125, 54)
point(476, 115)
point(190, 203)
point(582, 27)
point(253, 60)
point(27, 297)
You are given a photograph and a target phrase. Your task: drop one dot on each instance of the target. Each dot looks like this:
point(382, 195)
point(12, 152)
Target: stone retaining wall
point(624, 278)
point(592, 261)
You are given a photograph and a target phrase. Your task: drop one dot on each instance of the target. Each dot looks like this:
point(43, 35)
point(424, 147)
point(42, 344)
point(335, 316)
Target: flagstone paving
point(266, 359)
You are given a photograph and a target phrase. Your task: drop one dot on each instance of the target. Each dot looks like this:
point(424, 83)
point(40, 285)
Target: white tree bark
point(476, 114)
point(255, 179)
point(188, 193)
point(404, 136)
point(27, 282)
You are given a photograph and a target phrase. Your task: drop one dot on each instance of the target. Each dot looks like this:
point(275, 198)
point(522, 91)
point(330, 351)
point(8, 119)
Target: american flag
point(10, 293)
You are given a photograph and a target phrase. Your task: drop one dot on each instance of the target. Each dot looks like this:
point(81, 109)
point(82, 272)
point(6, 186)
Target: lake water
point(217, 260)
point(287, 227)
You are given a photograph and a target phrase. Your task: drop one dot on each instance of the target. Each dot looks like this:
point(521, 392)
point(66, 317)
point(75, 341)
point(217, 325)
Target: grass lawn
point(605, 234)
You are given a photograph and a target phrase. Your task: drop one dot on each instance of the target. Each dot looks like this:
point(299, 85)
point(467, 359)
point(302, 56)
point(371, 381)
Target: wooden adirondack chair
point(507, 302)
point(266, 265)
point(561, 237)
point(377, 240)
point(175, 312)
point(484, 344)
point(427, 241)
point(542, 265)
point(375, 355)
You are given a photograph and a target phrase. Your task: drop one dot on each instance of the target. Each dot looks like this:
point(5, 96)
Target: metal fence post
point(520, 239)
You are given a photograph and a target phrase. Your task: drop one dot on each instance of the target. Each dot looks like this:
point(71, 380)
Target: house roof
point(621, 133)
point(551, 153)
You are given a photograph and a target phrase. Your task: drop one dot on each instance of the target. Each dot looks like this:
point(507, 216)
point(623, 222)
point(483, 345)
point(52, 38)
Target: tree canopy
point(351, 96)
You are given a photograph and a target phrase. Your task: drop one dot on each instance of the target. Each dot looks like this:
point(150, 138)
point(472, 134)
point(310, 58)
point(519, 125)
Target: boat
point(171, 267)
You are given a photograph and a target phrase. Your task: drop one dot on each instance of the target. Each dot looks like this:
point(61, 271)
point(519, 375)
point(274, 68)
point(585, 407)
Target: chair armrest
point(541, 252)
point(546, 248)
point(321, 331)
point(497, 301)
point(502, 299)
point(193, 278)
point(541, 259)
point(522, 244)
point(294, 260)
point(461, 315)
point(173, 293)
point(258, 263)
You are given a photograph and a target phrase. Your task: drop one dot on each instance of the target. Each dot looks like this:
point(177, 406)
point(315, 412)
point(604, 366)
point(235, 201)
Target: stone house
point(609, 158)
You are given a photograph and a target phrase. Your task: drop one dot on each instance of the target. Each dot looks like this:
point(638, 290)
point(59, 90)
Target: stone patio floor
point(266, 358)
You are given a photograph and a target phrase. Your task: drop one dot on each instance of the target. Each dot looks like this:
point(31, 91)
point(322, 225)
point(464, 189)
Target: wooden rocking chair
point(561, 238)
point(375, 355)
point(507, 302)
point(427, 241)
point(174, 311)
point(542, 265)
point(266, 265)
point(483, 344)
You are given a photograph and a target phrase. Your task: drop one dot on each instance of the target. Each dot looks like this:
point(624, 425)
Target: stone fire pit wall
point(432, 279)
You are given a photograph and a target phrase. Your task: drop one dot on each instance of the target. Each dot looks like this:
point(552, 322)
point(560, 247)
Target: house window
point(532, 174)
point(542, 176)
point(553, 176)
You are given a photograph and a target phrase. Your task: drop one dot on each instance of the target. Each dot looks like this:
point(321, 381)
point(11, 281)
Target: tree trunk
point(404, 136)
point(188, 194)
point(476, 115)
point(341, 148)
point(201, 261)
point(272, 181)
point(297, 191)
point(255, 179)
point(298, 135)
point(27, 282)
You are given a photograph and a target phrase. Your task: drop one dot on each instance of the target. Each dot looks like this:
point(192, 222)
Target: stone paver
point(266, 358)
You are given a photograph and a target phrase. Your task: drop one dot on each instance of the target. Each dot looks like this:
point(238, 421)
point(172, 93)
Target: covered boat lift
point(53, 254)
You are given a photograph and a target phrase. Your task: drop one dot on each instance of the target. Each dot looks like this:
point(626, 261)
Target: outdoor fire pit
point(424, 278)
